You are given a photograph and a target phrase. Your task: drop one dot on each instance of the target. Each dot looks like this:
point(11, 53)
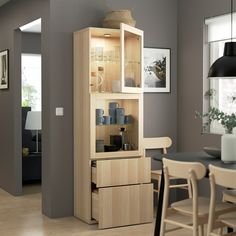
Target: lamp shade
point(225, 66)
point(33, 120)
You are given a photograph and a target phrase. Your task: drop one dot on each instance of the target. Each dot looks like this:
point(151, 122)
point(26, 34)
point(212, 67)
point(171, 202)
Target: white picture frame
point(156, 70)
point(4, 69)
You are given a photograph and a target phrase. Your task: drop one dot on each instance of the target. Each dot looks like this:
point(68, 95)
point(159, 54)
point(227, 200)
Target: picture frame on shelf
point(157, 70)
point(4, 69)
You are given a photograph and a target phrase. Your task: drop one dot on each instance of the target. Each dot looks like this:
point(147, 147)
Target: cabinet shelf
point(117, 154)
point(108, 125)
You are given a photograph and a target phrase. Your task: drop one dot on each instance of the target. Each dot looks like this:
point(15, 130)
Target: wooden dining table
point(201, 157)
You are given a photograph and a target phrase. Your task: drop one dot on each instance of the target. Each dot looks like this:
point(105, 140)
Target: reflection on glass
point(132, 72)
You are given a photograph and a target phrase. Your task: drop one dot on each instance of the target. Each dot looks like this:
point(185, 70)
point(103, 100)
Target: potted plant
point(228, 121)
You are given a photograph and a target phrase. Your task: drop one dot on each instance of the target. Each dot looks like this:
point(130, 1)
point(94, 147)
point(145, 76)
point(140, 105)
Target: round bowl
point(213, 151)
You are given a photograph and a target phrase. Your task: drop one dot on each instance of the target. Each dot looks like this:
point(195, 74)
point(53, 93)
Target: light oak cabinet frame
point(125, 183)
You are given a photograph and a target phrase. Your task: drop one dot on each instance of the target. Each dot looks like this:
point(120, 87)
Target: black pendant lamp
point(225, 66)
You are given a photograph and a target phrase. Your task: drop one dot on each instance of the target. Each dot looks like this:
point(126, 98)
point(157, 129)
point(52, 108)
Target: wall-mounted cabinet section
point(116, 125)
point(112, 59)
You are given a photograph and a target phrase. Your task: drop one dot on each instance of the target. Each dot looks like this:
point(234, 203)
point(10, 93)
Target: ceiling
point(2, 2)
point(32, 27)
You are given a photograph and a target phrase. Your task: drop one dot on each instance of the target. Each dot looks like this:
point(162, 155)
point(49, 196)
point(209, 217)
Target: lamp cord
point(231, 20)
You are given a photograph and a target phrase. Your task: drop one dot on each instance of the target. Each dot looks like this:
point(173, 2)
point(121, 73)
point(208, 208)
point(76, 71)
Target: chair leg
point(201, 230)
point(163, 228)
point(220, 231)
point(190, 195)
point(195, 233)
point(158, 185)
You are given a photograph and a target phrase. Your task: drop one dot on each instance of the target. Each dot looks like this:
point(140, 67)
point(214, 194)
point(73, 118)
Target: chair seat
point(229, 196)
point(175, 216)
point(229, 219)
point(185, 206)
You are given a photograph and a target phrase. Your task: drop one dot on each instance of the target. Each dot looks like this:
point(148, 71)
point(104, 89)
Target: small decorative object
point(116, 140)
point(25, 152)
point(99, 145)
point(114, 18)
point(120, 115)
point(157, 70)
point(106, 120)
point(213, 151)
point(115, 86)
point(4, 68)
point(111, 148)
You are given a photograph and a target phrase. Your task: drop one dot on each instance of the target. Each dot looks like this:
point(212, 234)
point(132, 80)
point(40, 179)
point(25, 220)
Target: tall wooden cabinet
point(111, 177)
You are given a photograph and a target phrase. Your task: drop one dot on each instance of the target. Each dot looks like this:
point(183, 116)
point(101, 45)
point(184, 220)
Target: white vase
point(228, 148)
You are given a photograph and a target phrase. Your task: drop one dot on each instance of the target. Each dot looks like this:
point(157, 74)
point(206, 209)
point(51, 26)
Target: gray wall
point(160, 109)
point(191, 15)
point(160, 27)
point(31, 43)
point(13, 15)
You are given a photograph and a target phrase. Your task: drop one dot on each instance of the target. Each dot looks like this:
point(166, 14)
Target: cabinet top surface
point(99, 31)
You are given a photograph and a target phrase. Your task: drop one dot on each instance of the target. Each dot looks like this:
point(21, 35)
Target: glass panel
point(116, 125)
point(105, 63)
point(132, 66)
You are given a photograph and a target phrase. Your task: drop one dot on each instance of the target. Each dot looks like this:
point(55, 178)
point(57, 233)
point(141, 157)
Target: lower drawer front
point(126, 205)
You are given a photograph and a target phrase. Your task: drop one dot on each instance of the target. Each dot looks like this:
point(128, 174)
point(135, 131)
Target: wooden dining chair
point(221, 214)
point(191, 213)
point(161, 143)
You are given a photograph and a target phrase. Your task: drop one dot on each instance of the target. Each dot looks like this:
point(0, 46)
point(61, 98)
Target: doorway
point(31, 105)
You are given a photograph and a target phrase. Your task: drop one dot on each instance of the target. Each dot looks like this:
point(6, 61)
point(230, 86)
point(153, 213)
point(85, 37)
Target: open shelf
point(131, 104)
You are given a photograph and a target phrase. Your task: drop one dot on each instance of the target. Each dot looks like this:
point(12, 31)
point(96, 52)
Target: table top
point(201, 157)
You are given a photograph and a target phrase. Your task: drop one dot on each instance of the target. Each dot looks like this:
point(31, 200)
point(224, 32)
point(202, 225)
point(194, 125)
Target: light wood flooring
point(21, 216)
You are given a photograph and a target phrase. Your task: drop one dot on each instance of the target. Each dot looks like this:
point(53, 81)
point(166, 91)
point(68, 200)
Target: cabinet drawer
point(121, 172)
point(125, 205)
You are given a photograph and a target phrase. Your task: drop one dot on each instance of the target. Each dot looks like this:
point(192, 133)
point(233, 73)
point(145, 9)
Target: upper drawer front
point(121, 172)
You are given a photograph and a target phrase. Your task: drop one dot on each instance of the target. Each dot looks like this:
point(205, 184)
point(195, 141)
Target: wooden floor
point(21, 216)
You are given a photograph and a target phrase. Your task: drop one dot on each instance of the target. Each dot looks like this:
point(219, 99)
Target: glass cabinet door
point(131, 56)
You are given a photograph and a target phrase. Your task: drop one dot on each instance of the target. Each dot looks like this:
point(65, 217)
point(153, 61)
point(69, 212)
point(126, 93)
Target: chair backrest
point(157, 143)
point(182, 169)
point(223, 177)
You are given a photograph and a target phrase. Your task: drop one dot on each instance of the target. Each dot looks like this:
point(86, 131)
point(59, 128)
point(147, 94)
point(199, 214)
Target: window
point(224, 95)
point(31, 81)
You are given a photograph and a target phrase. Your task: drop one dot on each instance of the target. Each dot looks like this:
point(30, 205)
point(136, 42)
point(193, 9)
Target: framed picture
point(4, 68)
point(156, 70)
